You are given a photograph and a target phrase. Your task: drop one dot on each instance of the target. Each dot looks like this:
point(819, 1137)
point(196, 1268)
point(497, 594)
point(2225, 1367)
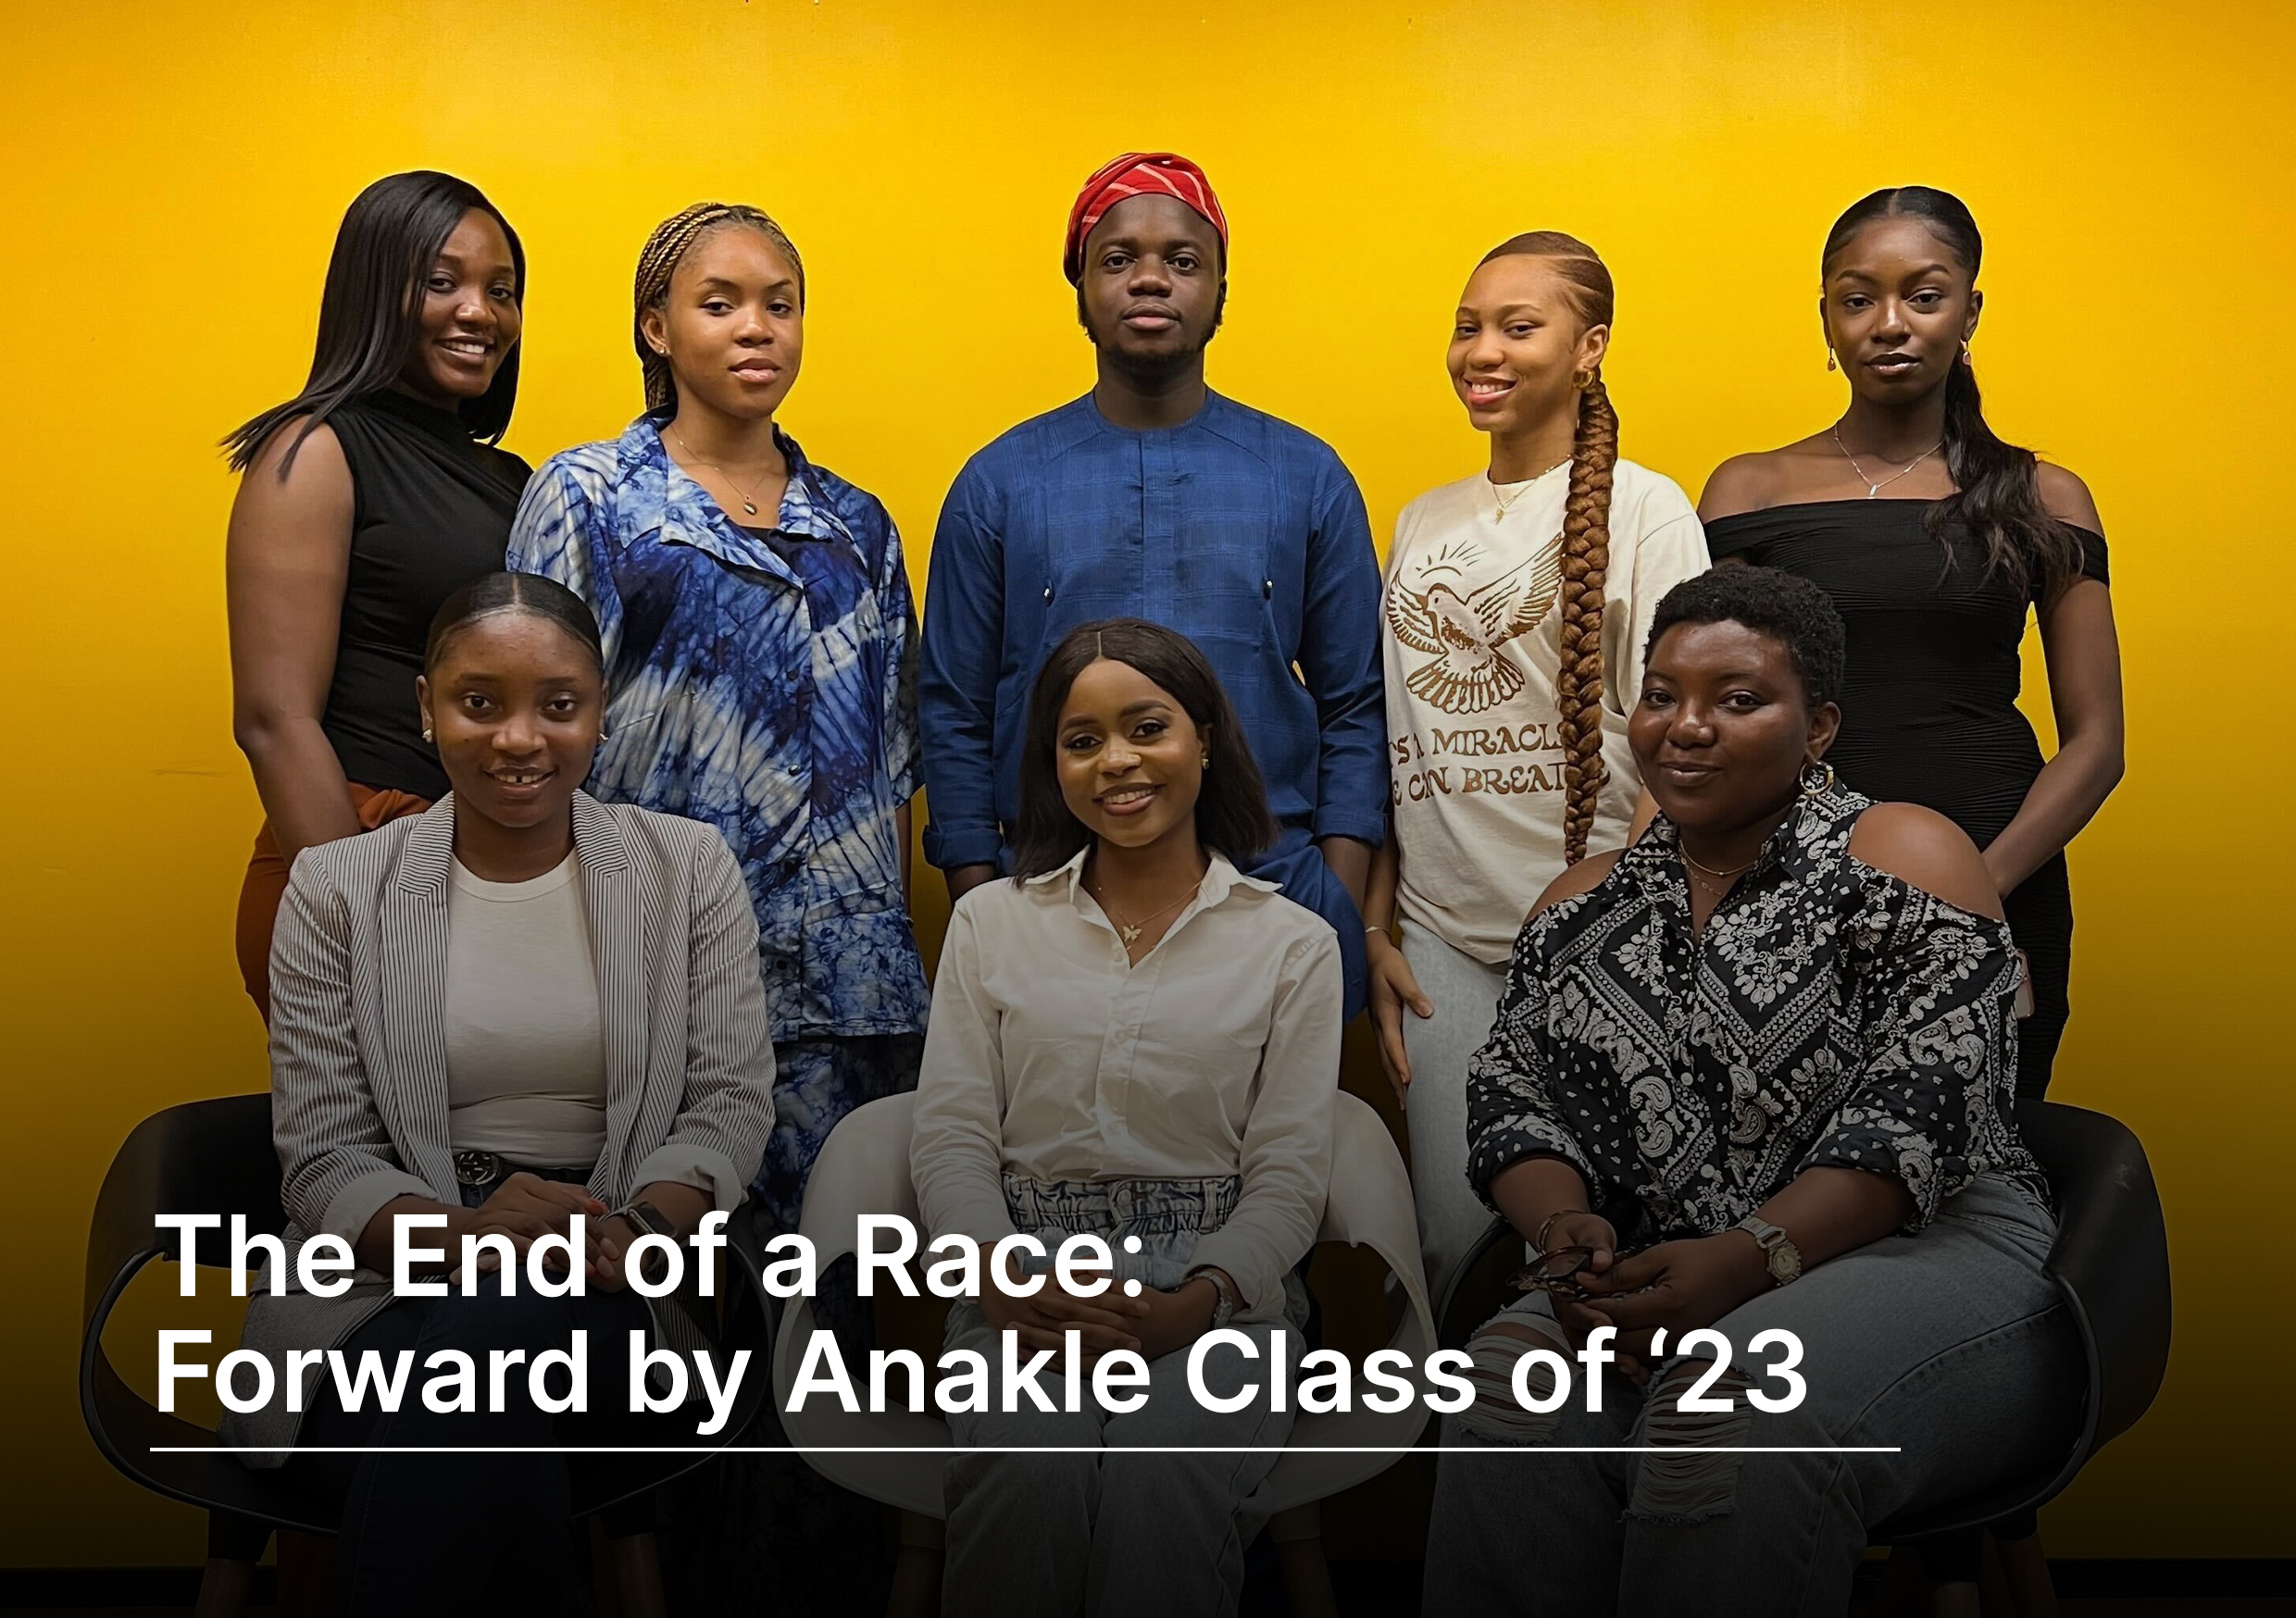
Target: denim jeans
point(1951, 1344)
point(1099, 1528)
point(1465, 996)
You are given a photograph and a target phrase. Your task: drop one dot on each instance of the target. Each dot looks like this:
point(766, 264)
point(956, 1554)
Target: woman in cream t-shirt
point(1516, 607)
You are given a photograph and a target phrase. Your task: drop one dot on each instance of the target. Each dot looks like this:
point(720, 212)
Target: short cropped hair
point(1785, 606)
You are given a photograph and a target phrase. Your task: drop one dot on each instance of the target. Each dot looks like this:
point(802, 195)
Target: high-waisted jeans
point(1950, 1345)
point(1105, 1528)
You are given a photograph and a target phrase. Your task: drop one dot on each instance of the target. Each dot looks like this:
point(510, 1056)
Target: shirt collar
point(1220, 880)
point(1792, 848)
point(675, 505)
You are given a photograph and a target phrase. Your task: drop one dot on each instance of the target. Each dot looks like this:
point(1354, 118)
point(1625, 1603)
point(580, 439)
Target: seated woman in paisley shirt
point(761, 650)
point(1753, 1072)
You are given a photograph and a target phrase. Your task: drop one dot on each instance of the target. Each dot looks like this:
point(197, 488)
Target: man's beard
point(1150, 371)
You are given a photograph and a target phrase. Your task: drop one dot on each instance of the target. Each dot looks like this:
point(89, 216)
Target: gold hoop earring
point(1818, 779)
point(1582, 380)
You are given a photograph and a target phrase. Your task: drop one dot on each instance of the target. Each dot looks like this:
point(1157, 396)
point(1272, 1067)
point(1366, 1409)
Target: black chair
point(217, 1157)
point(2110, 1261)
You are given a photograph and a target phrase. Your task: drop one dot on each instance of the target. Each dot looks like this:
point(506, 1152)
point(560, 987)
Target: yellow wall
point(175, 174)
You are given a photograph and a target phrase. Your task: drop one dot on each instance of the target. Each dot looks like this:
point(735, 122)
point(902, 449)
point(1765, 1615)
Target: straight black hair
point(505, 593)
point(1231, 809)
point(368, 312)
point(1998, 483)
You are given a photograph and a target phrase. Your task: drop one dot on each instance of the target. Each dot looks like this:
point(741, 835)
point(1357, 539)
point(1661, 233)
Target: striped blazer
point(359, 1043)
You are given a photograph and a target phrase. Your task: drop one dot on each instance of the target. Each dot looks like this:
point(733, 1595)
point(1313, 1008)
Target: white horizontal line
point(1398, 1451)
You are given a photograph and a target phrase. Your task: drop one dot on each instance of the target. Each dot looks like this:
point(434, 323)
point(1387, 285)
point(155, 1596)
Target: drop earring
point(1830, 361)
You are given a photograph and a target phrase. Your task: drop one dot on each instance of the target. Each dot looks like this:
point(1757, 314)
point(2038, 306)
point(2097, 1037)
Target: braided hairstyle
point(665, 250)
point(1585, 541)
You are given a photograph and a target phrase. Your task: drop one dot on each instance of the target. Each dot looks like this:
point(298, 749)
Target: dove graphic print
point(1558, 544)
point(1460, 627)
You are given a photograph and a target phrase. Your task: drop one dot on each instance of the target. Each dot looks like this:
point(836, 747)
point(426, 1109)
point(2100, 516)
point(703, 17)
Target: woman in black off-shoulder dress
point(1935, 539)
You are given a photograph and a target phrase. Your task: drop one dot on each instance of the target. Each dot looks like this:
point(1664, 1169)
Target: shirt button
point(797, 769)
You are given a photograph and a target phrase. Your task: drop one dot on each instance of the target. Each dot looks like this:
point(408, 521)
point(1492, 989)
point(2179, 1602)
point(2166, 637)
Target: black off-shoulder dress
point(1929, 705)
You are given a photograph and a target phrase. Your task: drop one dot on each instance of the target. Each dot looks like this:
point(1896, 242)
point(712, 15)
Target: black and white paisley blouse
point(1831, 1015)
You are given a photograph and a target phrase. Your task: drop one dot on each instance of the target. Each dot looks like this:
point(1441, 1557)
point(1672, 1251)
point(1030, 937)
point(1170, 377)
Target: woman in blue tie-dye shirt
point(761, 650)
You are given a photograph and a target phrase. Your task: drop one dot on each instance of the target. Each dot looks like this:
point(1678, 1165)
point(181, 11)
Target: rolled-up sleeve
point(896, 613)
point(958, 676)
point(338, 1169)
point(1339, 660)
point(1513, 1110)
point(956, 1155)
point(1286, 1157)
point(719, 1135)
point(1941, 1047)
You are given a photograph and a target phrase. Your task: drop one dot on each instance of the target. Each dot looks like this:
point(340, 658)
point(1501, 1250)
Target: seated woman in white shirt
point(516, 1007)
point(1132, 1039)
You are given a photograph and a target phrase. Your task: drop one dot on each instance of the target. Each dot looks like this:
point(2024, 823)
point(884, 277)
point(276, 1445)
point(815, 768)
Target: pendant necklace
point(1720, 882)
point(1873, 490)
point(748, 504)
point(1131, 930)
point(1506, 503)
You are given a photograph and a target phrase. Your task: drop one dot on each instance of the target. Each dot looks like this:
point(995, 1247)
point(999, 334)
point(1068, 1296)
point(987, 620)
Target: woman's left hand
point(1677, 1287)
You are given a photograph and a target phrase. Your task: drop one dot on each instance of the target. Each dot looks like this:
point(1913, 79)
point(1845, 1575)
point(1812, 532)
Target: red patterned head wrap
point(1137, 174)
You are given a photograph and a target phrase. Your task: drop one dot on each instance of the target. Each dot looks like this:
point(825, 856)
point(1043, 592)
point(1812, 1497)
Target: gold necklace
point(748, 504)
point(1506, 505)
point(1873, 490)
point(1131, 930)
point(1722, 876)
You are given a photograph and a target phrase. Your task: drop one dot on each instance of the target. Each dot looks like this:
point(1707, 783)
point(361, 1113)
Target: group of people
point(584, 882)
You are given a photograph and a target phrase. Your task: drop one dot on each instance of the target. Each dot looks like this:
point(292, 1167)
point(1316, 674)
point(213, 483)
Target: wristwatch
point(1777, 1250)
point(646, 1220)
point(1224, 1309)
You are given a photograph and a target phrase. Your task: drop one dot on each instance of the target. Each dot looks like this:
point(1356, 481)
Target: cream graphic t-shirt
point(1473, 638)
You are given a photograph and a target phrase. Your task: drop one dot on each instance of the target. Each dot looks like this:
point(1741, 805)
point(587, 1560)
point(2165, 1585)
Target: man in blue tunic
point(1155, 497)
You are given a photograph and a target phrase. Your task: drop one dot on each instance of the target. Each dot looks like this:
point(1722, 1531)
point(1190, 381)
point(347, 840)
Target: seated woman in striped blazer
point(515, 1007)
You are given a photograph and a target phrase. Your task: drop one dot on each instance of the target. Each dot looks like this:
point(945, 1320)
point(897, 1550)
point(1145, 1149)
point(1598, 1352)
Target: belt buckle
point(478, 1168)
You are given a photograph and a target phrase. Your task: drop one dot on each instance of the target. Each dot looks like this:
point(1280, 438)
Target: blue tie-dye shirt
point(767, 685)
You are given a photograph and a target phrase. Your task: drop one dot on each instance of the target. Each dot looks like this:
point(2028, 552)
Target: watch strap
point(1229, 1303)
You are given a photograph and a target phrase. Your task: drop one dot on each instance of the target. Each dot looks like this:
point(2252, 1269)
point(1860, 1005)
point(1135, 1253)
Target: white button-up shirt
point(1053, 1057)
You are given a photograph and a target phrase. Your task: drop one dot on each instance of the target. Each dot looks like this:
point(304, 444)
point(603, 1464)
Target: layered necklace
point(1715, 883)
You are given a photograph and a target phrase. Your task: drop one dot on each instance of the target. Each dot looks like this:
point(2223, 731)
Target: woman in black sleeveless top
point(1935, 538)
point(368, 498)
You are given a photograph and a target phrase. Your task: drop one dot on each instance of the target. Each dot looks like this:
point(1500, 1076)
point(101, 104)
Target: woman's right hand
point(1598, 1234)
point(526, 1206)
point(1588, 1230)
point(1394, 987)
point(1104, 1323)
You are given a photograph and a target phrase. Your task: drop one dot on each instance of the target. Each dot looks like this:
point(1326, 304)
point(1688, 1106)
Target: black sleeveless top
point(430, 512)
point(1930, 699)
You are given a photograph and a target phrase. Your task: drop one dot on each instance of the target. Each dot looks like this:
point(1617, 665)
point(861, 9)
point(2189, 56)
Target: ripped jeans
point(1096, 1529)
point(1951, 1344)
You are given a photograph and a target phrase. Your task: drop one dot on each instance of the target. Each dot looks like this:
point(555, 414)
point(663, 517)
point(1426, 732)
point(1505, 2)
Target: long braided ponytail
point(663, 250)
point(1585, 541)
